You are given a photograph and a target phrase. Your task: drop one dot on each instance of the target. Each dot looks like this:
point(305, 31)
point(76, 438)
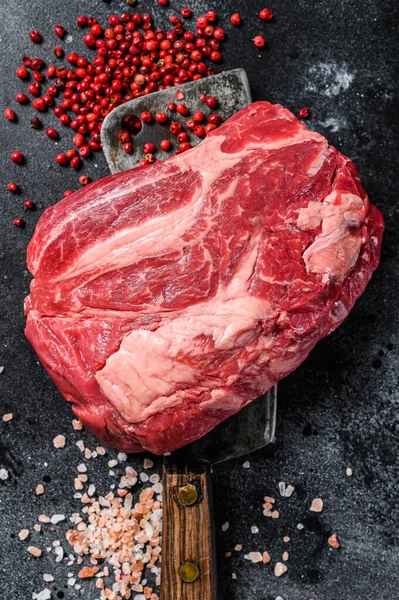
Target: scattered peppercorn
point(128, 148)
point(266, 14)
point(84, 180)
point(61, 159)
point(39, 104)
point(182, 109)
point(149, 148)
point(17, 157)
point(82, 21)
point(51, 133)
point(215, 119)
point(146, 117)
point(161, 117)
point(172, 106)
point(199, 131)
point(304, 113)
point(35, 36)
point(68, 193)
point(182, 136)
point(9, 114)
point(19, 222)
point(209, 127)
point(184, 146)
point(22, 73)
point(235, 19)
point(12, 187)
point(34, 89)
point(259, 41)
point(59, 31)
point(22, 98)
point(165, 145)
point(211, 102)
point(29, 204)
point(84, 151)
point(175, 127)
point(58, 52)
point(186, 12)
point(150, 158)
point(75, 162)
point(35, 123)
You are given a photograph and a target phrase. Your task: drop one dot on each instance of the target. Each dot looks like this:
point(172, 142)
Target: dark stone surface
point(339, 409)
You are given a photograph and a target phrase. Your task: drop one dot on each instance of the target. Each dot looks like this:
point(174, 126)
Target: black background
point(339, 409)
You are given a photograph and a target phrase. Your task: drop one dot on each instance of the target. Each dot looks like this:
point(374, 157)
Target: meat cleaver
point(188, 550)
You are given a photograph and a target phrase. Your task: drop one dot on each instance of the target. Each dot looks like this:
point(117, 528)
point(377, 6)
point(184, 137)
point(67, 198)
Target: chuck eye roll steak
point(166, 298)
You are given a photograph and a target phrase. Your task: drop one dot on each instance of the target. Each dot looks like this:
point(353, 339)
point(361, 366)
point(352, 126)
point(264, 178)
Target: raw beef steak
point(167, 297)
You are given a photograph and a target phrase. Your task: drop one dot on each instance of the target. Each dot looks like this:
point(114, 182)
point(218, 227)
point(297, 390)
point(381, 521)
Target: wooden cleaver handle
point(188, 549)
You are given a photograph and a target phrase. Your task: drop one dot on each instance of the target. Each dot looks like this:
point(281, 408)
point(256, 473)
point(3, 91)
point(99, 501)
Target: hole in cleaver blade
point(231, 88)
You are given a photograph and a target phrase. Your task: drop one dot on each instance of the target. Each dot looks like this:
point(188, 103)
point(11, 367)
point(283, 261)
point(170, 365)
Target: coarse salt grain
point(57, 519)
point(300, 526)
point(77, 425)
point(3, 474)
point(148, 463)
point(246, 464)
point(59, 441)
point(112, 463)
point(333, 541)
point(23, 534)
point(266, 558)
point(280, 569)
point(254, 557)
point(285, 556)
point(7, 417)
point(289, 490)
point(81, 445)
point(47, 577)
point(254, 529)
point(59, 551)
point(82, 468)
point(87, 572)
point(43, 595)
point(122, 457)
point(238, 547)
point(349, 472)
point(281, 488)
point(44, 519)
point(317, 505)
point(234, 575)
point(100, 450)
point(286, 539)
point(225, 526)
point(39, 489)
point(36, 552)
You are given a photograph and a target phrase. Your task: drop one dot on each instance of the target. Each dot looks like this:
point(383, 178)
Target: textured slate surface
point(339, 409)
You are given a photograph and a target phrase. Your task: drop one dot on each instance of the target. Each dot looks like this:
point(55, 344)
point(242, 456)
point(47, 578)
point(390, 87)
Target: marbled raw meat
point(165, 298)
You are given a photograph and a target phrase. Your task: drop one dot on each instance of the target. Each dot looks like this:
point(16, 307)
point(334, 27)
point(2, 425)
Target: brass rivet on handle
point(189, 571)
point(187, 495)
